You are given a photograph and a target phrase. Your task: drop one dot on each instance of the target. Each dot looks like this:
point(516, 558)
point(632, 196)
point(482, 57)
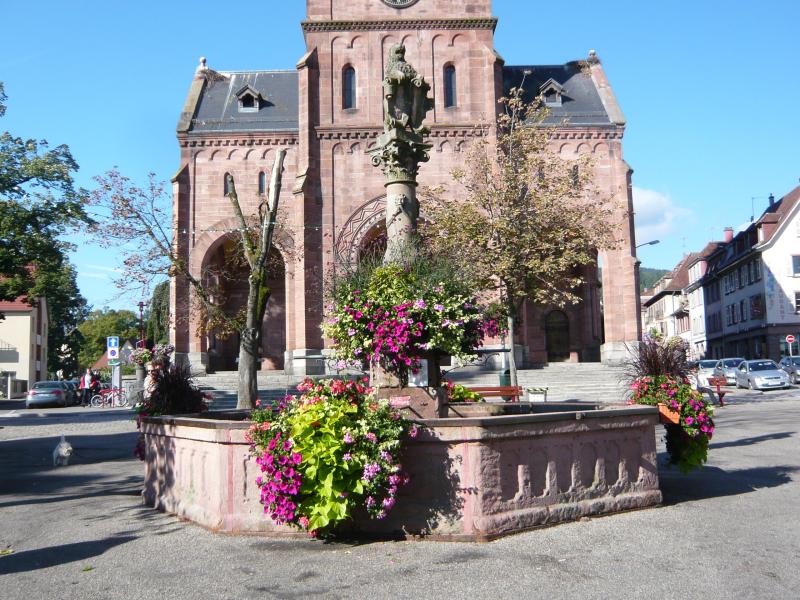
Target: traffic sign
point(112, 342)
point(790, 339)
point(113, 353)
point(113, 363)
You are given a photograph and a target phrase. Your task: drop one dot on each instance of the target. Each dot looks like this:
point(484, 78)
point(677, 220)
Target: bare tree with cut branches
point(132, 219)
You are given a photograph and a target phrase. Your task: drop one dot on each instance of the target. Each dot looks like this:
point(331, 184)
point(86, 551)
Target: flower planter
point(667, 416)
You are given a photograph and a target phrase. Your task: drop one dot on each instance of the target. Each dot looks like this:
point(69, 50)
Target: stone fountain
point(472, 478)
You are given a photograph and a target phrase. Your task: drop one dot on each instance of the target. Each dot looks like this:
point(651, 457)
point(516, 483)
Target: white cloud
point(656, 215)
point(103, 268)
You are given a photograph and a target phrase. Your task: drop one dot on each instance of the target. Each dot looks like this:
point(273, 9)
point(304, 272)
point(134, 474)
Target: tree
point(67, 309)
point(131, 218)
point(38, 205)
point(98, 326)
point(157, 327)
point(520, 225)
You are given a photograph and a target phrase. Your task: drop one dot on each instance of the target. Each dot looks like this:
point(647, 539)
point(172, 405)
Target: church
point(327, 114)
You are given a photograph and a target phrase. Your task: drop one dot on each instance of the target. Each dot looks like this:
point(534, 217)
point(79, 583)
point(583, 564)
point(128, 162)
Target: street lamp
point(652, 243)
point(141, 325)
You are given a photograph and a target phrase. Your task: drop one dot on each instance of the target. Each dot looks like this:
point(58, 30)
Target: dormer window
point(551, 92)
point(249, 99)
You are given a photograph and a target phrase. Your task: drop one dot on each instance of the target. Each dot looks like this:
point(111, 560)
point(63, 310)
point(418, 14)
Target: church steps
point(592, 382)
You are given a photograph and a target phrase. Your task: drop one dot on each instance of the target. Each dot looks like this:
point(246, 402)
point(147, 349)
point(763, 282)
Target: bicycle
point(114, 397)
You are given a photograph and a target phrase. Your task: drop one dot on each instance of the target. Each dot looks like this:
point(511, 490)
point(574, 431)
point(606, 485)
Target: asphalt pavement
point(729, 530)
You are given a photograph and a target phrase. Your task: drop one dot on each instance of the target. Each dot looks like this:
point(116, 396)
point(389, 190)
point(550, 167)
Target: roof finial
point(593, 57)
point(202, 66)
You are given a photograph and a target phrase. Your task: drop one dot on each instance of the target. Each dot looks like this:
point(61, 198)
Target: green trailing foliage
point(328, 454)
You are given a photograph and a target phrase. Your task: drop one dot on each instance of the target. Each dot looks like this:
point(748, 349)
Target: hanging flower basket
point(667, 416)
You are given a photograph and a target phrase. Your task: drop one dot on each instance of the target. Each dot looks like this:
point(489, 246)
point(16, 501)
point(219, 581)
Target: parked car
point(791, 364)
point(74, 392)
point(761, 375)
point(726, 367)
point(705, 369)
point(48, 392)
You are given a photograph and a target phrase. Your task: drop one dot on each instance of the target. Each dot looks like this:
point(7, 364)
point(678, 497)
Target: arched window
point(449, 86)
point(262, 183)
point(349, 87)
point(225, 187)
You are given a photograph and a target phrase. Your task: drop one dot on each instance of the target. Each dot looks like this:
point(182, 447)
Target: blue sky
point(710, 90)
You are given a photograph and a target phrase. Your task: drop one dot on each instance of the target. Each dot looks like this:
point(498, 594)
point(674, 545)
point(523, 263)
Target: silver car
point(48, 392)
point(791, 364)
point(761, 375)
point(705, 369)
point(726, 368)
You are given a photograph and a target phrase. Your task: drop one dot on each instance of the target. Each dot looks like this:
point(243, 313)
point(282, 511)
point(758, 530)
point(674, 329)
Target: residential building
point(697, 265)
point(327, 113)
point(752, 286)
point(23, 345)
point(667, 310)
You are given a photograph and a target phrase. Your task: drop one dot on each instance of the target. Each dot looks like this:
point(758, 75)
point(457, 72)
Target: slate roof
point(218, 105)
point(581, 103)
point(218, 108)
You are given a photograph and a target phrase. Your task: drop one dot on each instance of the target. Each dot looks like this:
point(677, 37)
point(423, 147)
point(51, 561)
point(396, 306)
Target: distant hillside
point(648, 277)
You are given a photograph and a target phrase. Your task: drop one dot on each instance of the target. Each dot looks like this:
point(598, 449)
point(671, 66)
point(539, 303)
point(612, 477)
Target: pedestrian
point(87, 384)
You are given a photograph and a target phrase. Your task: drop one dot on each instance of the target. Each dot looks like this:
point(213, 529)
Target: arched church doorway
point(557, 336)
point(226, 273)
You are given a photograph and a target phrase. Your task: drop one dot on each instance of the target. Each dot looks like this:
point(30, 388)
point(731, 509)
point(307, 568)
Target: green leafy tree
point(38, 204)
point(519, 224)
point(157, 328)
point(67, 309)
point(98, 326)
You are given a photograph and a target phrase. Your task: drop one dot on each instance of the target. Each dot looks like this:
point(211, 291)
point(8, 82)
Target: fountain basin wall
point(471, 478)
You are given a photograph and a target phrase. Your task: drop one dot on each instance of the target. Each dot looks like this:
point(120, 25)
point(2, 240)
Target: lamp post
point(651, 243)
point(141, 325)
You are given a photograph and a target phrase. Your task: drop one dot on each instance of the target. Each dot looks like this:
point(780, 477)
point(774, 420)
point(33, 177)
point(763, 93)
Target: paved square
point(728, 531)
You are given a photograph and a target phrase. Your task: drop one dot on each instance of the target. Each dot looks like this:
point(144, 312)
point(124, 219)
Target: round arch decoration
point(364, 218)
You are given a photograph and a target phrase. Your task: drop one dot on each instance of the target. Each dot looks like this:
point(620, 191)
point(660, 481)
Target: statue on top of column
point(401, 148)
point(405, 94)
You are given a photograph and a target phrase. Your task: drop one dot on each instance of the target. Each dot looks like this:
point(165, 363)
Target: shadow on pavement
point(27, 474)
point(713, 482)
point(42, 558)
point(751, 440)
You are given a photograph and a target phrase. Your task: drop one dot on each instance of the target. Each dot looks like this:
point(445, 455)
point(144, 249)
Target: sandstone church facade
point(327, 113)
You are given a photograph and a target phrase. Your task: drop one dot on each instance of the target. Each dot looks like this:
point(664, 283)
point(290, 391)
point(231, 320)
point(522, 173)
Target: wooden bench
point(498, 391)
point(718, 382)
